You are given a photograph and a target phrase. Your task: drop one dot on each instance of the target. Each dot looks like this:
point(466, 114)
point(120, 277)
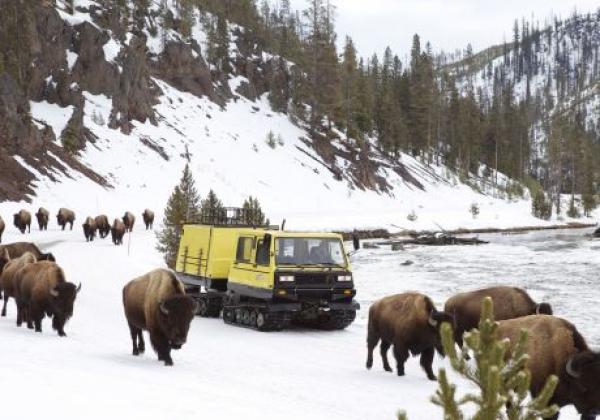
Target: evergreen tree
point(212, 209)
point(252, 212)
point(182, 207)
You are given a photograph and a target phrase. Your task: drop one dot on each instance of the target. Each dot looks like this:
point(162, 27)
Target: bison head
point(175, 315)
point(583, 370)
point(62, 298)
point(435, 321)
point(17, 219)
point(543, 309)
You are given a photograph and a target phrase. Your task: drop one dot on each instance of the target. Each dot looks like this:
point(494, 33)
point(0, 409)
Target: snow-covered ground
point(224, 372)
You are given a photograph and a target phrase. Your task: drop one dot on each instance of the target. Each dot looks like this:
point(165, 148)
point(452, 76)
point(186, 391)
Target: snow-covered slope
point(227, 151)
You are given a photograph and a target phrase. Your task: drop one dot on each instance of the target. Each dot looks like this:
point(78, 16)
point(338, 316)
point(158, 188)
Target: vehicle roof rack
point(231, 217)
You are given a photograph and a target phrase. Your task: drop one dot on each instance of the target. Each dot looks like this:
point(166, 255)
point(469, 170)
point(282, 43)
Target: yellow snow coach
point(265, 278)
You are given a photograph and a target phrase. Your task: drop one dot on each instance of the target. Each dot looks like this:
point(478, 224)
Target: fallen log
point(439, 239)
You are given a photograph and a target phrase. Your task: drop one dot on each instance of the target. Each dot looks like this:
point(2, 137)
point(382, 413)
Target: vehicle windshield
point(307, 251)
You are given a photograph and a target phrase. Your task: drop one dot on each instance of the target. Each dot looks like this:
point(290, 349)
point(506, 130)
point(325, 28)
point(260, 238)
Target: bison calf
point(102, 225)
point(509, 303)
point(409, 322)
point(40, 290)
point(157, 302)
point(555, 347)
point(42, 217)
point(148, 216)
point(64, 217)
point(8, 274)
point(89, 229)
point(22, 221)
point(117, 232)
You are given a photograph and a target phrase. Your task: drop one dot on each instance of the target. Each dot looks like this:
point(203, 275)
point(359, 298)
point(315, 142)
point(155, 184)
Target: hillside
point(108, 113)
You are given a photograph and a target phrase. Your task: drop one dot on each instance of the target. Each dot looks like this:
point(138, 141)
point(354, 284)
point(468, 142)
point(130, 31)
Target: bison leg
point(427, 361)
point(383, 348)
point(20, 308)
point(35, 317)
point(58, 324)
point(135, 333)
point(161, 345)
point(141, 344)
point(5, 303)
point(372, 341)
point(401, 355)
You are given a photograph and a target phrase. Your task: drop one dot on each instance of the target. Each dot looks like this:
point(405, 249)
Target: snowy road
point(225, 372)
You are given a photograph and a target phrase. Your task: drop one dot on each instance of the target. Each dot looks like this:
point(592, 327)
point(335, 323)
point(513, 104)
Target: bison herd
point(92, 226)
point(411, 324)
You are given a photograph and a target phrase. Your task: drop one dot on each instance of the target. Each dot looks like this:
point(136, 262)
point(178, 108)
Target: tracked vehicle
point(264, 278)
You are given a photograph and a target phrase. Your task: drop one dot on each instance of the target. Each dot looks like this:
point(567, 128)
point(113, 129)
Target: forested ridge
point(528, 108)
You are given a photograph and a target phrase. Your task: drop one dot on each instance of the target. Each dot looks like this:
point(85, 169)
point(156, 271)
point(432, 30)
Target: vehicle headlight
point(345, 277)
point(286, 279)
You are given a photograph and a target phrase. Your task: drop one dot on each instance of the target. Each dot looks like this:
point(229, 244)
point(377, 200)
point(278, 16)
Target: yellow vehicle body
point(266, 272)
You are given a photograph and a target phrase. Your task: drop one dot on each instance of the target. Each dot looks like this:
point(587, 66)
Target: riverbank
point(385, 234)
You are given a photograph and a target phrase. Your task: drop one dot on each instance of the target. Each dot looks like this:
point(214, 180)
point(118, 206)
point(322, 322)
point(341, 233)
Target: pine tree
point(212, 209)
point(182, 207)
point(252, 212)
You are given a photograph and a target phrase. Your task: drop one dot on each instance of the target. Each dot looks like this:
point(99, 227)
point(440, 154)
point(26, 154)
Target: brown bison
point(409, 322)
point(148, 216)
point(102, 225)
point(89, 229)
point(117, 232)
point(40, 290)
point(22, 220)
point(129, 220)
point(42, 217)
point(157, 302)
point(555, 347)
point(65, 216)
point(7, 276)
point(16, 249)
point(509, 303)
point(2, 227)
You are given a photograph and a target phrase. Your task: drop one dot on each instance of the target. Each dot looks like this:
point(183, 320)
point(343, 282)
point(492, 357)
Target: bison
point(102, 225)
point(42, 217)
point(41, 289)
point(15, 250)
point(148, 217)
point(89, 229)
point(157, 302)
point(2, 227)
point(7, 276)
point(65, 216)
point(129, 220)
point(555, 347)
point(411, 323)
point(22, 220)
point(509, 303)
point(117, 232)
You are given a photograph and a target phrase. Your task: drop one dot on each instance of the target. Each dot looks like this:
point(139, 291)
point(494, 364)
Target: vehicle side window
point(263, 253)
point(244, 249)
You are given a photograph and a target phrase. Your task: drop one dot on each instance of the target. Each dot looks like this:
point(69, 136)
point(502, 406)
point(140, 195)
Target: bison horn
point(164, 309)
point(570, 370)
point(54, 292)
point(78, 288)
point(431, 320)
